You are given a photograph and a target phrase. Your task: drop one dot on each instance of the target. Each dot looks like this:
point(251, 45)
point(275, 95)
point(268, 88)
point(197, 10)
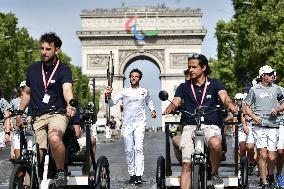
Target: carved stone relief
point(178, 60)
point(97, 61)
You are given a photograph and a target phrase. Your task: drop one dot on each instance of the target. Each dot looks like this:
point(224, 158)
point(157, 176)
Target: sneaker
point(139, 180)
point(217, 181)
point(61, 179)
point(279, 181)
point(132, 179)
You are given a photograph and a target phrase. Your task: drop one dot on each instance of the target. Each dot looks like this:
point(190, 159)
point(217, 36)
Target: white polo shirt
point(134, 101)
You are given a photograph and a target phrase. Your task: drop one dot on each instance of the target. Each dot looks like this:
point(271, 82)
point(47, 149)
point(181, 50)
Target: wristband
point(20, 112)
point(7, 133)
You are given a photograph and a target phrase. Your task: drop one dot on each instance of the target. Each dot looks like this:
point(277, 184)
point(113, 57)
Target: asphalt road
point(154, 145)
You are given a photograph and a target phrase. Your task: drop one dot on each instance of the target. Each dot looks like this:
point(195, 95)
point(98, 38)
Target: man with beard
point(200, 91)
point(49, 84)
point(134, 100)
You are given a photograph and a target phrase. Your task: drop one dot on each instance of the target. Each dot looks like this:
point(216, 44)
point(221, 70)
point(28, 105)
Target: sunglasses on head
point(270, 74)
point(194, 55)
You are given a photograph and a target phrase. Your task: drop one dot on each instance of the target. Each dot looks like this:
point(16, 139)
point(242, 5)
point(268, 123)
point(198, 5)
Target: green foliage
point(18, 50)
point(253, 38)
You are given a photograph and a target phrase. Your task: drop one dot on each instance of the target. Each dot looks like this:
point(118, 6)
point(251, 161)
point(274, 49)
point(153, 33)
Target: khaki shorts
point(54, 121)
point(187, 138)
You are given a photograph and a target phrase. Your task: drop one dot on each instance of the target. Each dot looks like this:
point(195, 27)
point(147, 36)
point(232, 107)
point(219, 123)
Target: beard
point(48, 60)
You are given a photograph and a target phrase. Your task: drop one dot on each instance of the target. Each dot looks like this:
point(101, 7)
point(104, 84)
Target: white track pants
point(133, 143)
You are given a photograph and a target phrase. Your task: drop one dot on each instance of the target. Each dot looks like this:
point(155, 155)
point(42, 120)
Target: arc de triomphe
point(180, 32)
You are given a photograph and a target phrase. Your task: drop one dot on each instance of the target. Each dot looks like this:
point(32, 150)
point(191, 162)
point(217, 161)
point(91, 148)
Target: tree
point(14, 47)
point(18, 50)
point(258, 39)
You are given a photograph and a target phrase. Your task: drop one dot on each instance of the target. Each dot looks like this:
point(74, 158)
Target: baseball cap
point(239, 96)
point(265, 70)
point(23, 84)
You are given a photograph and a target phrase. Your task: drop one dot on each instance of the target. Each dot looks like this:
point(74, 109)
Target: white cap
point(265, 69)
point(239, 96)
point(23, 84)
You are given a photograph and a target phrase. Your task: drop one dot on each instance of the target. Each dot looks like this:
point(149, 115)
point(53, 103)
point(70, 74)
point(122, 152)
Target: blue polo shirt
point(34, 80)
point(210, 100)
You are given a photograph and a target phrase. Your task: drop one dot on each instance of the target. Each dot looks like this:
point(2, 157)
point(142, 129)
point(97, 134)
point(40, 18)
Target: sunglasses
point(270, 74)
point(194, 55)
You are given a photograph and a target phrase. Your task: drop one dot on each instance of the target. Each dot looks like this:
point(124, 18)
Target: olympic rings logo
point(139, 35)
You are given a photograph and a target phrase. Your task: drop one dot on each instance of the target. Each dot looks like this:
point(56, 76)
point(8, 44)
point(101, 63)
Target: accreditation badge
point(46, 98)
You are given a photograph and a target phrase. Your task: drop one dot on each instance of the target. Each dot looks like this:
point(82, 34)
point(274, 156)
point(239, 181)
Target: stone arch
point(102, 31)
point(140, 56)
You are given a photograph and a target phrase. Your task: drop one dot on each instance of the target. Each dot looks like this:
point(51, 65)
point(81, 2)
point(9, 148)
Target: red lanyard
point(43, 75)
point(204, 91)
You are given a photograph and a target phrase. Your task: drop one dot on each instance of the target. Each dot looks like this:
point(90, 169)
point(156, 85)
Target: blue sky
point(63, 17)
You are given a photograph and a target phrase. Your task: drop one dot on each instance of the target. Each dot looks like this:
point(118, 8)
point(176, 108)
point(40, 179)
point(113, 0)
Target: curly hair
point(137, 71)
point(51, 37)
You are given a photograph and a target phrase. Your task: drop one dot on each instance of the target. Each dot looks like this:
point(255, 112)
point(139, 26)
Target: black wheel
point(102, 174)
point(199, 176)
point(21, 177)
point(244, 172)
point(160, 172)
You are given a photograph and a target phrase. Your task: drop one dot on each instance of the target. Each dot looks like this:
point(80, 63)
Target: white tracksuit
point(133, 125)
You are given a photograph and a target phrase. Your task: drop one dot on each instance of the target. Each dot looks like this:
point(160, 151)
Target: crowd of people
point(259, 128)
point(49, 84)
point(259, 132)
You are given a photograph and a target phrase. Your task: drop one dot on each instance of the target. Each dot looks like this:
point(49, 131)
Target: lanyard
point(43, 75)
point(204, 91)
